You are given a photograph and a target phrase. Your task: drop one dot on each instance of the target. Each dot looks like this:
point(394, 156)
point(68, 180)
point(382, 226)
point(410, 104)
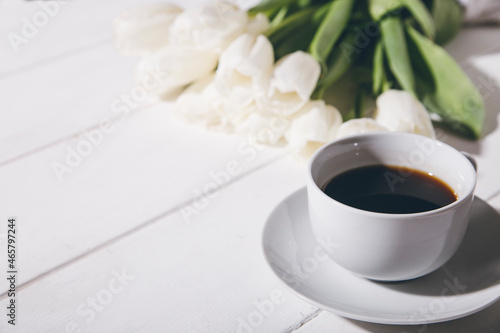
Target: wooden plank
point(495, 201)
point(36, 31)
point(473, 40)
point(206, 276)
point(39, 32)
point(477, 51)
point(147, 165)
point(66, 79)
point(488, 161)
point(62, 99)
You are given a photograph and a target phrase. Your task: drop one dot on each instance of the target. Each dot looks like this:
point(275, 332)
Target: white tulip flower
point(245, 68)
point(398, 110)
point(210, 26)
point(260, 126)
point(316, 124)
point(189, 106)
point(258, 24)
point(201, 104)
point(359, 126)
point(293, 81)
point(175, 66)
point(144, 29)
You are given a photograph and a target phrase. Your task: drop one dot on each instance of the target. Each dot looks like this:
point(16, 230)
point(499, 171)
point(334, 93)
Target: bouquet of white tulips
point(264, 72)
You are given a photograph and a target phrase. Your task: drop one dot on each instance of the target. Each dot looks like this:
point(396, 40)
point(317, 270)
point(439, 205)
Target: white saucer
point(469, 282)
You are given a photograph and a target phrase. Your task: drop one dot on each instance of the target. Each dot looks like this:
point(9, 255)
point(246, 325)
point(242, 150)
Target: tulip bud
point(245, 68)
point(260, 126)
point(175, 66)
point(201, 104)
point(359, 126)
point(316, 123)
point(294, 79)
point(210, 26)
point(143, 30)
point(258, 24)
point(397, 110)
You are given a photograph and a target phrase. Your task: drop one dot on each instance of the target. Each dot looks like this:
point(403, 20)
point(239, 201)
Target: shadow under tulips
point(470, 49)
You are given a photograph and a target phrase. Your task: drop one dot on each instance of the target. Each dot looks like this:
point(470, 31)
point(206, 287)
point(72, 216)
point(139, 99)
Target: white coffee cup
point(390, 247)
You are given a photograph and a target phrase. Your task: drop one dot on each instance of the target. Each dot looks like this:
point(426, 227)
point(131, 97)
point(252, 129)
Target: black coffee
point(390, 189)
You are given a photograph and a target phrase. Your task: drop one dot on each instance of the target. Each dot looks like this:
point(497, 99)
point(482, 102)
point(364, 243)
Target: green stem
point(332, 26)
point(280, 31)
point(279, 17)
point(267, 6)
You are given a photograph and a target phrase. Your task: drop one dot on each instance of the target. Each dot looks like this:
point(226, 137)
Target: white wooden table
point(122, 241)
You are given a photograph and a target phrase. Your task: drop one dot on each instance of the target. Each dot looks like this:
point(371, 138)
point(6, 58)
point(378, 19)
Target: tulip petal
point(397, 110)
point(244, 69)
point(201, 104)
point(298, 73)
point(144, 29)
point(189, 105)
point(211, 26)
point(258, 24)
point(317, 123)
point(359, 126)
point(294, 79)
point(175, 66)
point(261, 127)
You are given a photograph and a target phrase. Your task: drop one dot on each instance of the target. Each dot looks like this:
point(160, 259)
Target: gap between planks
point(55, 58)
point(493, 196)
point(137, 228)
point(85, 49)
point(48, 145)
point(304, 321)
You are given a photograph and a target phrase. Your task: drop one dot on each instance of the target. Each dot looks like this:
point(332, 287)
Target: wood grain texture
point(487, 321)
point(61, 99)
point(124, 210)
point(71, 26)
point(204, 276)
point(148, 165)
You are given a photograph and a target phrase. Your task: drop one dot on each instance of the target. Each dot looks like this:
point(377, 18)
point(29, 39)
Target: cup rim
point(448, 207)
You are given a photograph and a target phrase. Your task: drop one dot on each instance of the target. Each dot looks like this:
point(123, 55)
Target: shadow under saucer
point(467, 283)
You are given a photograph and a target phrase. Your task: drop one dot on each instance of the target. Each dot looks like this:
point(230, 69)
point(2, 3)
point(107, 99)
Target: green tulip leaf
point(422, 16)
point(339, 61)
point(448, 92)
point(269, 6)
point(447, 15)
point(396, 51)
point(378, 76)
point(330, 29)
point(380, 8)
